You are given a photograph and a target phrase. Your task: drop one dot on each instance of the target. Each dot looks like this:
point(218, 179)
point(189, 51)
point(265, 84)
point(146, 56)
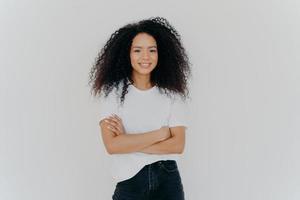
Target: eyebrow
point(141, 47)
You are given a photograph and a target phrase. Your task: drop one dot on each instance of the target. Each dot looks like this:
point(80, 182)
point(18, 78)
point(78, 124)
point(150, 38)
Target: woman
point(143, 71)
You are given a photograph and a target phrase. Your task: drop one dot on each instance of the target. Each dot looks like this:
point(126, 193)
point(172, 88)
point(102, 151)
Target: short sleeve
point(179, 113)
point(108, 106)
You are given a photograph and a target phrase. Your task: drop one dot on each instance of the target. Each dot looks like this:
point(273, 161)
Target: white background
point(244, 138)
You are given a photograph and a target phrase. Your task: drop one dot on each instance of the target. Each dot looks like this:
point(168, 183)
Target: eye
point(136, 50)
point(153, 50)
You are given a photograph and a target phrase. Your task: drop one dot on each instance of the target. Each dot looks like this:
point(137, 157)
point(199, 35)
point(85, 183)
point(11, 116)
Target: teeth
point(145, 65)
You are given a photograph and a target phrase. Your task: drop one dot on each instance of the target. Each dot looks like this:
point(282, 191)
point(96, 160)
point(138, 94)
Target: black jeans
point(160, 181)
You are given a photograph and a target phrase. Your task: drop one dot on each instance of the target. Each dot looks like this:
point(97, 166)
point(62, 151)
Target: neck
point(142, 82)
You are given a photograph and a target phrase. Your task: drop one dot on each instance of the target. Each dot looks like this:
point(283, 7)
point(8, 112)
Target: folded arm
point(116, 141)
point(173, 145)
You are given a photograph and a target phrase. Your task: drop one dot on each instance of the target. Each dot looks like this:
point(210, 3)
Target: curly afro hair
point(113, 64)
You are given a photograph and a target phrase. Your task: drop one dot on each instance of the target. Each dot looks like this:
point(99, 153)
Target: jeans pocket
point(169, 165)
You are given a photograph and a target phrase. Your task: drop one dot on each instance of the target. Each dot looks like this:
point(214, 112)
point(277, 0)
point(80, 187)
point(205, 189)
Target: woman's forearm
point(169, 146)
point(127, 143)
point(173, 145)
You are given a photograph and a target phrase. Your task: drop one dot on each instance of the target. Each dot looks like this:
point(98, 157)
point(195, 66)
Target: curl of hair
point(113, 66)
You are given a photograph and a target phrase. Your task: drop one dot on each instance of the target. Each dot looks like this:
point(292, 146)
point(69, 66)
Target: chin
point(144, 71)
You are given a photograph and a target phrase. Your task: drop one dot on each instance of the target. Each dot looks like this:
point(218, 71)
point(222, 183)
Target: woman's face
point(143, 54)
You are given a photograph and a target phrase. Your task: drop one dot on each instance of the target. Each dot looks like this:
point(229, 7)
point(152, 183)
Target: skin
point(115, 124)
point(144, 50)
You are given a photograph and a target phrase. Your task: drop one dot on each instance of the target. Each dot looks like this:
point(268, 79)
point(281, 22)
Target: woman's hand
point(115, 124)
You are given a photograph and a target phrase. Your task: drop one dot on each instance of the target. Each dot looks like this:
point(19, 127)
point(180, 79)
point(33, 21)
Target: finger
point(112, 128)
point(117, 117)
point(116, 126)
point(119, 129)
point(113, 117)
point(117, 132)
point(112, 122)
point(116, 120)
point(105, 121)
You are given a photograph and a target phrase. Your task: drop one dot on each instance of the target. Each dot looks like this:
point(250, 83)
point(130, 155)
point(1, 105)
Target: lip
point(148, 65)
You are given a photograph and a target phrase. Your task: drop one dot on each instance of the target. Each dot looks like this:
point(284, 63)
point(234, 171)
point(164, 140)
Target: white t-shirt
point(142, 111)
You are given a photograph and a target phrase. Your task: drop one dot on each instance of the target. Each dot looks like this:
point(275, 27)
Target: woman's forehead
point(143, 39)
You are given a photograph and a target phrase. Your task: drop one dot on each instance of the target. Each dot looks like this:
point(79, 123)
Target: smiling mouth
point(145, 65)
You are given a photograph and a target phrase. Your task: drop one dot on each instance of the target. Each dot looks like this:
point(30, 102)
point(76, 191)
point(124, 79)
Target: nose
point(145, 55)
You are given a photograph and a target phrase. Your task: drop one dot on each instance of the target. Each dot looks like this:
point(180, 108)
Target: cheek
point(133, 58)
point(155, 57)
